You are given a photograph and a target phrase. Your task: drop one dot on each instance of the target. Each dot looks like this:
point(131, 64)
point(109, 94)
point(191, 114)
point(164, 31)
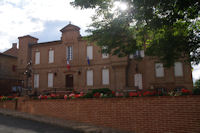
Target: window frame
point(37, 57)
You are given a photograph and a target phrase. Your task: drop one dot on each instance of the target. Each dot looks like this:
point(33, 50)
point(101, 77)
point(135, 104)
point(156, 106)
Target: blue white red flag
point(68, 65)
point(88, 60)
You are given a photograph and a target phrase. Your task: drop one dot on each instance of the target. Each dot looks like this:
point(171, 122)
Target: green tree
point(167, 29)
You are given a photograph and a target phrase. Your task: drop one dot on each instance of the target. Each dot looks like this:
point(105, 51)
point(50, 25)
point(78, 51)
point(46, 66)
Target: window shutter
point(138, 80)
point(37, 58)
point(90, 52)
point(178, 69)
point(36, 80)
point(105, 55)
point(142, 53)
point(105, 76)
point(51, 56)
point(50, 79)
point(90, 77)
point(159, 70)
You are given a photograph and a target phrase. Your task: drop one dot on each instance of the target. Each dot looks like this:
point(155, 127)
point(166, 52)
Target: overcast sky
point(42, 19)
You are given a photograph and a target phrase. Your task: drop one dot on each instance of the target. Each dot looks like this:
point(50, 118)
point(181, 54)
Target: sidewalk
point(82, 127)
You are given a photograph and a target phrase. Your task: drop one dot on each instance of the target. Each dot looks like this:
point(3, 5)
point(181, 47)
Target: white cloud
point(22, 17)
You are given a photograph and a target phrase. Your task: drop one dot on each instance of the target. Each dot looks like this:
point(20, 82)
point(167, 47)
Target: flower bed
point(107, 93)
point(5, 98)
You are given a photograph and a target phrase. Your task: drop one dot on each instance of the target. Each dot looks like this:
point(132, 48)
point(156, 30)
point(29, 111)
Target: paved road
point(10, 124)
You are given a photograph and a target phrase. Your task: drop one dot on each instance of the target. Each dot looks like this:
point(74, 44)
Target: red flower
point(53, 95)
point(77, 95)
point(133, 94)
point(96, 95)
point(65, 97)
point(10, 96)
point(185, 91)
point(45, 97)
point(81, 94)
point(113, 93)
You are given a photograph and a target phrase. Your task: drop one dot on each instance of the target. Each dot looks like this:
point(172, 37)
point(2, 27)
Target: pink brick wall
point(141, 115)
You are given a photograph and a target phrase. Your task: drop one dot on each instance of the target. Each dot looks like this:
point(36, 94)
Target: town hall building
point(74, 63)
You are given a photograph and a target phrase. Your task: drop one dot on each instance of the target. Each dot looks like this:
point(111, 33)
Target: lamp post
point(28, 73)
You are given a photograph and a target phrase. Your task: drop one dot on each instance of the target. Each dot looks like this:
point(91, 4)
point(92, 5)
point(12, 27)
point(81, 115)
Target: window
point(51, 56)
point(178, 69)
point(13, 68)
point(90, 52)
point(50, 79)
point(37, 58)
point(159, 70)
point(36, 80)
point(69, 52)
point(105, 76)
point(138, 80)
point(105, 55)
point(138, 53)
point(89, 77)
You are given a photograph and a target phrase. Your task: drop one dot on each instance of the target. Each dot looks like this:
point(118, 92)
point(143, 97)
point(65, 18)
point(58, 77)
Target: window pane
point(138, 80)
point(51, 56)
point(37, 58)
point(36, 80)
point(178, 69)
point(89, 77)
point(69, 52)
point(159, 70)
point(90, 52)
point(105, 55)
point(105, 77)
point(50, 79)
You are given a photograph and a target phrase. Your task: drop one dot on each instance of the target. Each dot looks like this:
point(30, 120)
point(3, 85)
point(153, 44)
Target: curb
point(81, 127)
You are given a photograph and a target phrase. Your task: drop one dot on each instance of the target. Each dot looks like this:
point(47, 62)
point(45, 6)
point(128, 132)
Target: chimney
point(14, 45)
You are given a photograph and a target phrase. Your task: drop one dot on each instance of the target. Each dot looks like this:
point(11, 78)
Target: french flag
point(68, 65)
point(88, 60)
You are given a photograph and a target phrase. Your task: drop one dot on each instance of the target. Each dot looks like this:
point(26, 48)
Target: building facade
point(8, 70)
point(72, 62)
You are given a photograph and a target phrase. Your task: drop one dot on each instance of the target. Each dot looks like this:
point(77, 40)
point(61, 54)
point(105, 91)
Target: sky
point(43, 19)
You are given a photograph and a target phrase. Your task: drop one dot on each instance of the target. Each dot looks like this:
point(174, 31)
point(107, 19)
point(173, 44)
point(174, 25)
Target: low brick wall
point(140, 115)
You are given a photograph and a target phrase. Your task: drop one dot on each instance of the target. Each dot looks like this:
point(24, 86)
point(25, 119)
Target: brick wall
point(140, 115)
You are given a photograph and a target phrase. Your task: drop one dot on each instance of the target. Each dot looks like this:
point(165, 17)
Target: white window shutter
point(159, 70)
point(37, 58)
point(138, 80)
point(36, 80)
point(90, 77)
point(105, 55)
point(178, 69)
point(50, 79)
point(105, 76)
point(142, 53)
point(90, 52)
point(51, 56)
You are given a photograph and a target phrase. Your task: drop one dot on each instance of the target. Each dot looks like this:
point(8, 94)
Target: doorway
point(69, 81)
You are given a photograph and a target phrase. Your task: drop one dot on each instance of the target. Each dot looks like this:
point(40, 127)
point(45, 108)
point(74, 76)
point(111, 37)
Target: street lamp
point(28, 73)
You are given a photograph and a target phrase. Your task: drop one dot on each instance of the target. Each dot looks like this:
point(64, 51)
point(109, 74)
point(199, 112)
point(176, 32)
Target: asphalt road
point(10, 124)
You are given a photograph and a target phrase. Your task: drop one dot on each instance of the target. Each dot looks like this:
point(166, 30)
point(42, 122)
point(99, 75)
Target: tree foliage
point(168, 29)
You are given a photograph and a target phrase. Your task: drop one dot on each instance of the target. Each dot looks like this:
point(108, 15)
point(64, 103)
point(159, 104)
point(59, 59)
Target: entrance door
point(69, 81)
